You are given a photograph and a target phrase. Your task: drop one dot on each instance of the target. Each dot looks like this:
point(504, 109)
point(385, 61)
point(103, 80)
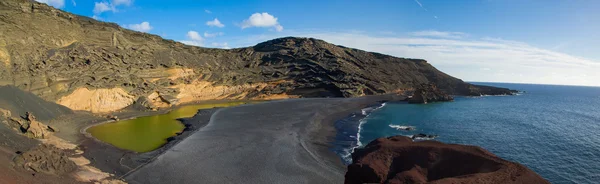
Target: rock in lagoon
point(398, 159)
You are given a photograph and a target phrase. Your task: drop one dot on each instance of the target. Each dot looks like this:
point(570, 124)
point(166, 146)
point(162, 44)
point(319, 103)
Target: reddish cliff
point(400, 160)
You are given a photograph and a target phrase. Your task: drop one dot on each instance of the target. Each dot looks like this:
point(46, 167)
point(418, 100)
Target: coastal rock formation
point(423, 136)
point(429, 93)
point(90, 65)
point(398, 159)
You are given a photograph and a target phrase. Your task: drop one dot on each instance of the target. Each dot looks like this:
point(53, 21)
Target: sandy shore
point(284, 141)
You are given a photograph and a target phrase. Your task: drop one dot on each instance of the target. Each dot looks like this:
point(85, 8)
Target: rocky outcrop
point(400, 160)
point(426, 93)
point(28, 125)
point(85, 54)
point(46, 159)
point(97, 100)
point(35, 129)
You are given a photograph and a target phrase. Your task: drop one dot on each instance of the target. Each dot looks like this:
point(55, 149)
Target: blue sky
point(524, 41)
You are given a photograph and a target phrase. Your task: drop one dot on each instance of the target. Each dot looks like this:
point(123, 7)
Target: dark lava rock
point(429, 93)
point(421, 135)
point(400, 160)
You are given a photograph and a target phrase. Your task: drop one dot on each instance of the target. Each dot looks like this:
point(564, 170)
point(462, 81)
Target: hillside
point(95, 66)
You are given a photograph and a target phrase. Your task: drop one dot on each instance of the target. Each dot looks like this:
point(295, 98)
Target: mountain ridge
point(85, 64)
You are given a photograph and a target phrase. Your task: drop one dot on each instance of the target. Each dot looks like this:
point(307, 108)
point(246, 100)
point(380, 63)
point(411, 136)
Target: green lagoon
point(148, 133)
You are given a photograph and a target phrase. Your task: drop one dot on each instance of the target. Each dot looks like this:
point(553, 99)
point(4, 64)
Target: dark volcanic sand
point(120, 162)
point(275, 142)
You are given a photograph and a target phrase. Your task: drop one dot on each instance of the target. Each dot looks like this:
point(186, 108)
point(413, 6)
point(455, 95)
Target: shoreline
point(139, 114)
point(121, 162)
point(285, 136)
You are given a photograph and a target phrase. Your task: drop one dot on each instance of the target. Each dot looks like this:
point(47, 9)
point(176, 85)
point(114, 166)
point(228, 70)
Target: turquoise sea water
point(553, 130)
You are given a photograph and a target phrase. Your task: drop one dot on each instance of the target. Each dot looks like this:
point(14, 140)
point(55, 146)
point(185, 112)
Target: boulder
point(35, 129)
point(398, 159)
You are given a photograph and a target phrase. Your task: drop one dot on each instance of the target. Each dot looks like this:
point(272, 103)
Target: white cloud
point(122, 2)
point(469, 58)
point(215, 23)
point(440, 34)
point(194, 36)
point(262, 20)
point(73, 2)
point(141, 27)
point(194, 39)
point(207, 11)
point(96, 17)
point(210, 35)
point(105, 6)
point(100, 7)
point(54, 3)
point(223, 45)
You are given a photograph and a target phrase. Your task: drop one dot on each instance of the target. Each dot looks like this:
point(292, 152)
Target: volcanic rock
point(429, 93)
point(421, 135)
point(398, 159)
point(85, 64)
point(46, 159)
point(29, 126)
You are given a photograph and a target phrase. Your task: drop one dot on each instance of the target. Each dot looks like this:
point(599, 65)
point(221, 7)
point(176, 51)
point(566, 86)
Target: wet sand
point(284, 141)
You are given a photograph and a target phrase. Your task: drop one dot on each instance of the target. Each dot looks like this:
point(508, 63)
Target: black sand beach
point(274, 142)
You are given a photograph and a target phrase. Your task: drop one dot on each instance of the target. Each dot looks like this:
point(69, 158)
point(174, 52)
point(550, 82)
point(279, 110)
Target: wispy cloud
point(439, 34)
point(210, 35)
point(471, 59)
point(207, 11)
point(105, 6)
point(421, 5)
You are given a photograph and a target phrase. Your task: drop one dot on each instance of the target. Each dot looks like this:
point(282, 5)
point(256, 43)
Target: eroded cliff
point(61, 57)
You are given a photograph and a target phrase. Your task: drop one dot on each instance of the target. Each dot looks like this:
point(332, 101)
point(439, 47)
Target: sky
point(518, 41)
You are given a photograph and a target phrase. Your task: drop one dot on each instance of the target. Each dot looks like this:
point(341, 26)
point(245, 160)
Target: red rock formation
point(400, 160)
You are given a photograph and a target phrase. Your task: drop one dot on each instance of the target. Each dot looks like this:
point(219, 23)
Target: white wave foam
point(401, 127)
point(368, 110)
point(424, 138)
point(365, 112)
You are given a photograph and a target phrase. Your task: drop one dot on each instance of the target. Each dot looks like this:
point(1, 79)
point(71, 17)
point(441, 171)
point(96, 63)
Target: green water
point(148, 133)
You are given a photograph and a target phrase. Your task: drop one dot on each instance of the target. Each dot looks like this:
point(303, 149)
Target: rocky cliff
point(426, 93)
point(400, 160)
point(96, 66)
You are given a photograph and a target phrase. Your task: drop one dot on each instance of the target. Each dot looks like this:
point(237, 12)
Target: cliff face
point(60, 57)
point(400, 160)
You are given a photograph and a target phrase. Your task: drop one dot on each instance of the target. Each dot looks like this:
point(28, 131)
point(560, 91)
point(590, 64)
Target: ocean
point(554, 130)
